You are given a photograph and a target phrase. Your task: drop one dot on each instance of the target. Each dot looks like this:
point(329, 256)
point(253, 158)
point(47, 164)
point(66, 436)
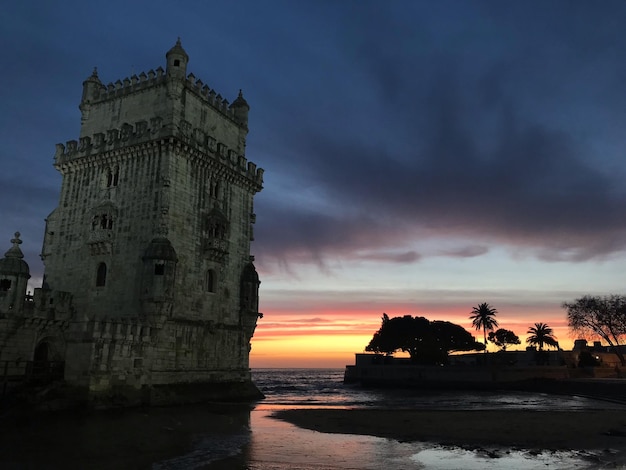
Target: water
point(324, 388)
point(233, 437)
point(276, 445)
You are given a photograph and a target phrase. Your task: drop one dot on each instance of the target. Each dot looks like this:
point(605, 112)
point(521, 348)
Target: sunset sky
point(420, 157)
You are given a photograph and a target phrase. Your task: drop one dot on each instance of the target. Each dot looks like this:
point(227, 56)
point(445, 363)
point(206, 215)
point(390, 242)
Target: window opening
point(104, 221)
point(215, 189)
point(5, 285)
point(159, 269)
point(210, 281)
point(101, 276)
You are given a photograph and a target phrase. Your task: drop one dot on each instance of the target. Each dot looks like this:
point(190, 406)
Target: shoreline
point(597, 430)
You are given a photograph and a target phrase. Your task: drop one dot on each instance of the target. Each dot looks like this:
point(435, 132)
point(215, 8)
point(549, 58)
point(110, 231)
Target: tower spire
point(14, 251)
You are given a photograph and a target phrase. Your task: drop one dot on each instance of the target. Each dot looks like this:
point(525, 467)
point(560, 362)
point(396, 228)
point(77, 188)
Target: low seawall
point(537, 379)
point(391, 373)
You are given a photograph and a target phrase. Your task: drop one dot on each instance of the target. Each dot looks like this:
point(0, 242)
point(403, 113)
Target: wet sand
point(540, 430)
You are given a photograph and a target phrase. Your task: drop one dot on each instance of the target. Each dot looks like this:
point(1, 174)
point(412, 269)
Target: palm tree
point(541, 334)
point(483, 318)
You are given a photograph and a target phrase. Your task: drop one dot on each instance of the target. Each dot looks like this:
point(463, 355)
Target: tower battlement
point(152, 78)
point(186, 106)
point(103, 145)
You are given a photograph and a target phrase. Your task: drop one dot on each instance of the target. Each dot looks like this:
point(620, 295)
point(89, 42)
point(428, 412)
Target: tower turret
point(91, 89)
point(14, 276)
point(177, 60)
point(241, 108)
point(249, 299)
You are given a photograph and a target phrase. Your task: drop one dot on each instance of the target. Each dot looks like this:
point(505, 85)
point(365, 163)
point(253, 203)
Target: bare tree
point(603, 316)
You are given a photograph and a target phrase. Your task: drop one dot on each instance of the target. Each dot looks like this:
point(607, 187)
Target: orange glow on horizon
point(330, 338)
point(313, 350)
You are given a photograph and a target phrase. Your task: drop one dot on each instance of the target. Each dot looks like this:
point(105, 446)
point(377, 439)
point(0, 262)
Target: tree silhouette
point(601, 316)
point(541, 334)
point(502, 338)
point(427, 342)
point(483, 318)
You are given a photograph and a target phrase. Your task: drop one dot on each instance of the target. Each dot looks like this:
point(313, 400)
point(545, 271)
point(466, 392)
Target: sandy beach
point(577, 430)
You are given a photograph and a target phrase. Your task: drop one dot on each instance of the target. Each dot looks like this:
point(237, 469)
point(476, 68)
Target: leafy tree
point(427, 342)
point(483, 318)
point(600, 316)
point(502, 338)
point(541, 334)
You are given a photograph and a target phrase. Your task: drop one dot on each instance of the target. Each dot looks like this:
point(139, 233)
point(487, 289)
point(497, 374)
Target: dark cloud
point(465, 251)
point(529, 185)
point(299, 234)
point(497, 149)
point(391, 257)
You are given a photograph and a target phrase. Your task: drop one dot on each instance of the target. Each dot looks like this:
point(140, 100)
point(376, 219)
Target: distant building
point(150, 293)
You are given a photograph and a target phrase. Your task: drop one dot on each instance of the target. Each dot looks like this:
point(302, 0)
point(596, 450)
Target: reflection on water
point(278, 445)
point(124, 439)
point(232, 437)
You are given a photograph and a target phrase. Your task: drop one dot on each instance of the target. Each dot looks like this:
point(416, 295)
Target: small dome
point(178, 50)
point(94, 77)
point(240, 102)
point(15, 267)
point(13, 262)
point(161, 249)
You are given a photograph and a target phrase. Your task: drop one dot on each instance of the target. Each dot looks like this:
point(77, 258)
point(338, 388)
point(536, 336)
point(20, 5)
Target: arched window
point(116, 175)
point(103, 217)
point(101, 275)
point(214, 189)
point(210, 280)
point(217, 225)
point(112, 176)
point(217, 229)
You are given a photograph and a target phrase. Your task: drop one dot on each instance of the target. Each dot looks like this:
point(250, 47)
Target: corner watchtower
point(14, 276)
point(177, 60)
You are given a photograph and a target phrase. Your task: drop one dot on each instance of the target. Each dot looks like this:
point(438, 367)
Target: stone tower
point(151, 240)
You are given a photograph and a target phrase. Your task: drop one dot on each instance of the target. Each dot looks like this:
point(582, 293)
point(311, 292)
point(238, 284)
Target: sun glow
point(331, 338)
point(301, 350)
